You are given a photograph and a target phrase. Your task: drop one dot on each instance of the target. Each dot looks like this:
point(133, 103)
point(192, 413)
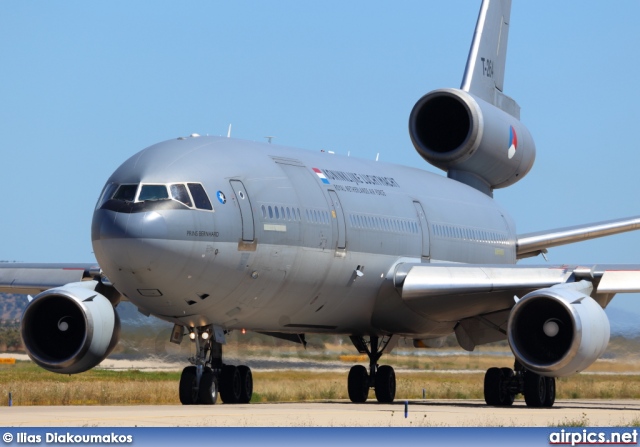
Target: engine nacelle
point(557, 331)
point(70, 329)
point(462, 134)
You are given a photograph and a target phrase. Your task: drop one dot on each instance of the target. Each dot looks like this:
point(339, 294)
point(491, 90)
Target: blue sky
point(87, 84)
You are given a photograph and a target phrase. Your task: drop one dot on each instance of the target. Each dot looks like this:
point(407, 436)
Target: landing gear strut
point(381, 378)
point(208, 377)
point(502, 384)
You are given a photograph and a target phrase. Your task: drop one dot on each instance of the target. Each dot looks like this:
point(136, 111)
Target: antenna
point(229, 132)
point(269, 139)
point(377, 156)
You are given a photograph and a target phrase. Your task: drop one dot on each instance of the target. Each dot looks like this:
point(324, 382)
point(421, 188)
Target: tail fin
point(484, 74)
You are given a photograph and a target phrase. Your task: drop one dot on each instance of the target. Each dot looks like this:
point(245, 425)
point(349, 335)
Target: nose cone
point(109, 224)
point(124, 240)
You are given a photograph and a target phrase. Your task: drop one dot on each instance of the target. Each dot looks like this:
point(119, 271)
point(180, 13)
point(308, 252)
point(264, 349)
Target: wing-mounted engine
point(70, 329)
point(476, 142)
point(558, 331)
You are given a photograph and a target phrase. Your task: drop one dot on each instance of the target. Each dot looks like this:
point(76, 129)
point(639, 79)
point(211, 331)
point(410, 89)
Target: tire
point(246, 384)
point(550, 397)
point(208, 391)
point(492, 383)
point(188, 389)
point(385, 384)
point(496, 391)
point(230, 387)
point(535, 389)
point(358, 384)
point(509, 397)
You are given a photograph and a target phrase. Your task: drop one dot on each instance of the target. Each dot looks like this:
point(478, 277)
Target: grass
point(583, 421)
point(30, 385)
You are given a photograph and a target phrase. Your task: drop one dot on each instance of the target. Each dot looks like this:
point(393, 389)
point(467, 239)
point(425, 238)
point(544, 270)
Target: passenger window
point(200, 196)
point(179, 192)
point(270, 212)
point(277, 212)
point(288, 214)
point(264, 212)
point(126, 193)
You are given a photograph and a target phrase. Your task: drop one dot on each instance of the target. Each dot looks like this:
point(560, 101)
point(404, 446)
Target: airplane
point(216, 234)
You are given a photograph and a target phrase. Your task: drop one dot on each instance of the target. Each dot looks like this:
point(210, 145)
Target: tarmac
point(421, 413)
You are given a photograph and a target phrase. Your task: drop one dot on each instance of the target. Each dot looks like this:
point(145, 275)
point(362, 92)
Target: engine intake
point(466, 136)
point(70, 329)
point(557, 331)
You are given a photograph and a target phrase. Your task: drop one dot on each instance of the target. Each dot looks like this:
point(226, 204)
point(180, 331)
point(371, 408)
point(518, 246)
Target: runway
point(421, 413)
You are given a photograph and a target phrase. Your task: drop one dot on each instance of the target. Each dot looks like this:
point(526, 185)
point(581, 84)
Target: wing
point(23, 278)
point(533, 244)
point(480, 297)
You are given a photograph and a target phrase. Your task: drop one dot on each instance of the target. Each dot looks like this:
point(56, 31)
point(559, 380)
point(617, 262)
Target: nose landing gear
point(208, 377)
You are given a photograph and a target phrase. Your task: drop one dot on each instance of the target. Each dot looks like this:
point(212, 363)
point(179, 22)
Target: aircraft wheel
point(208, 392)
point(509, 397)
point(492, 382)
point(496, 391)
point(230, 387)
point(550, 397)
point(246, 384)
point(358, 384)
point(385, 384)
point(535, 389)
point(188, 389)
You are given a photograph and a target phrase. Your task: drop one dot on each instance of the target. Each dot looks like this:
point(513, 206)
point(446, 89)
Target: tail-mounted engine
point(474, 141)
point(70, 329)
point(557, 331)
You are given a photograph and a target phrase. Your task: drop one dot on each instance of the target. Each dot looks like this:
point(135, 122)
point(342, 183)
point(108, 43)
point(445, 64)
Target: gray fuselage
point(295, 242)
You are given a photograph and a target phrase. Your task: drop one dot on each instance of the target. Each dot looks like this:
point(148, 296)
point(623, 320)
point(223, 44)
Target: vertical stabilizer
point(484, 74)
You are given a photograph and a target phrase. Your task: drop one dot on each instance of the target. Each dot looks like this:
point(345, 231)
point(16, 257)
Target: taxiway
point(421, 413)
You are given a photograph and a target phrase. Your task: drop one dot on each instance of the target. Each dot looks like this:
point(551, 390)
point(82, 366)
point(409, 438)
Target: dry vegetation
point(457, 376)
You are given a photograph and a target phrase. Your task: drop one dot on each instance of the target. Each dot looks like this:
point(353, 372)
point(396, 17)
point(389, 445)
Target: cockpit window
point(179, 192)
point(126, 193)
point(190, 195)
point(200, 196)
point(107, 193)
point(153, 192)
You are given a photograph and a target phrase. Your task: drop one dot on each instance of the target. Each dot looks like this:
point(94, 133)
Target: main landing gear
point(502, 384)
point(208, 376)
point(381, 378)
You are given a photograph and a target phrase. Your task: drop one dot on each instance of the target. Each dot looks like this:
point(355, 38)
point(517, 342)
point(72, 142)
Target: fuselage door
point(246, 214)
point(336, 213)
point(422, 217)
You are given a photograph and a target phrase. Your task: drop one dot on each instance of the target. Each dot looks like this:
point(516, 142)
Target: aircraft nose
point(113, 225)
point(124, 239)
